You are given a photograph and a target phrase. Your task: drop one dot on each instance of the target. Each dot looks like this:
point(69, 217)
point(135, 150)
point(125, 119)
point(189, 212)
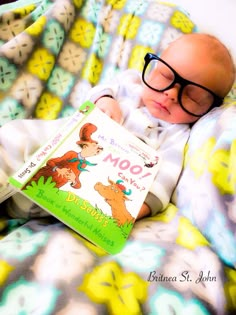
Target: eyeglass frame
point(217, 100)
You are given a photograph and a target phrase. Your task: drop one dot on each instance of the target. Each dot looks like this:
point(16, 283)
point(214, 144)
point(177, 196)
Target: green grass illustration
point(80, 215)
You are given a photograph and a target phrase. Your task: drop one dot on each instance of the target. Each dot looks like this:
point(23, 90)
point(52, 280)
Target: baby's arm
point(145, 211)
point(110, 106)
point(120, 96)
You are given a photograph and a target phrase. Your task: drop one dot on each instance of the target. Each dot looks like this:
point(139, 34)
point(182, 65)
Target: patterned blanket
point(181, 261)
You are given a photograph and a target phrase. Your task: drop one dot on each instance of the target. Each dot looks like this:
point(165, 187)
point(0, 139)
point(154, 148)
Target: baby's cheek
point(179, 116)
point(147, 94)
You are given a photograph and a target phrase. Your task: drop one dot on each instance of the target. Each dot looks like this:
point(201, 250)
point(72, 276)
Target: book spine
point(24, 174)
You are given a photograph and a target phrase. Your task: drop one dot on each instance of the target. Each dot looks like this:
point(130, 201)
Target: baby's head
point(200, 59)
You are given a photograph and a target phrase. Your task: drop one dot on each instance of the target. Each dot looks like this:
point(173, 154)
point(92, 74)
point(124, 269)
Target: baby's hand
point(144, 211)
point(110, 107)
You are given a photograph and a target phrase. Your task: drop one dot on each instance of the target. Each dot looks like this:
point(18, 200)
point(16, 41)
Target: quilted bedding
point(181, 261)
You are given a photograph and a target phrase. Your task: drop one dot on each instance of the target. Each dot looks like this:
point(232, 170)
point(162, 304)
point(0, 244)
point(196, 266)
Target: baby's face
point(191, 60)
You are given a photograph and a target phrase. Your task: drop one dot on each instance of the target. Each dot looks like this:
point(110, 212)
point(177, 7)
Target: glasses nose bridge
point(179, 80)
point(181, 84)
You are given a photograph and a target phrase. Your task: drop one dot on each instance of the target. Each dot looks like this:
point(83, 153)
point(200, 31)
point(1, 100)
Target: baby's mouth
point(162, 107)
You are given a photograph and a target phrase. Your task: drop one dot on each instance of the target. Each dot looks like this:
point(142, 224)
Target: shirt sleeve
point(125, 87)
point(171, 153)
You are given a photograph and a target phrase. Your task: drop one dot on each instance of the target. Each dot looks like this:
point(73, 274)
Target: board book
point(93, 175)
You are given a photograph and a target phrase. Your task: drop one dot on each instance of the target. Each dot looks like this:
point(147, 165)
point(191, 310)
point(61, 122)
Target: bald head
point(211, 51)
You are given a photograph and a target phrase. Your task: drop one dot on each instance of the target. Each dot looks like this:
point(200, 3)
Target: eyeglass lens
point(193, 98)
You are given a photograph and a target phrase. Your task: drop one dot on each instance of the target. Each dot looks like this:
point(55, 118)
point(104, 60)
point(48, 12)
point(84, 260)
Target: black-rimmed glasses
point(194, 98)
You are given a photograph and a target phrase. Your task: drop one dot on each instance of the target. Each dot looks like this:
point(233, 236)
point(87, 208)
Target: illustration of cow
point(115, 195)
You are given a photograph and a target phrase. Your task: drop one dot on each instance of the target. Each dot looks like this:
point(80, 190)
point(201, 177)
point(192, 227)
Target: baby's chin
point(159, 112)
point(183, 121)
point(173, 119)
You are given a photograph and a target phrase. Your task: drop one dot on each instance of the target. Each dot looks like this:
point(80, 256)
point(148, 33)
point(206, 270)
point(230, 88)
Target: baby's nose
point(173, 92)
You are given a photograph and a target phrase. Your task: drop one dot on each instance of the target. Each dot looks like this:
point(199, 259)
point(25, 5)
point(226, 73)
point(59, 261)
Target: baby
point(192, 76)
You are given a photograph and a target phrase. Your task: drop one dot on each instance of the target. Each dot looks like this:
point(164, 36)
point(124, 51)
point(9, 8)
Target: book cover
point(93, 175)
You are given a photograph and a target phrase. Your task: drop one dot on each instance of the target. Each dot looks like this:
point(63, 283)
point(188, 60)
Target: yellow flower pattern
point(186, 155)
point(49, 105)
point(230, 288)
point(128, 26)
point(168, 215)
point(41, 63)
point(136, 61)
point(22, 12)
point(198, 161)
point(182, 22)
point(78, 3)
point(189, 236)
point(37, 27)
point(92, 69)
point(117, 4)
point(83, 33)
point(222, 165)
point(121, 292)
point(5, 270)
point(3, 224)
